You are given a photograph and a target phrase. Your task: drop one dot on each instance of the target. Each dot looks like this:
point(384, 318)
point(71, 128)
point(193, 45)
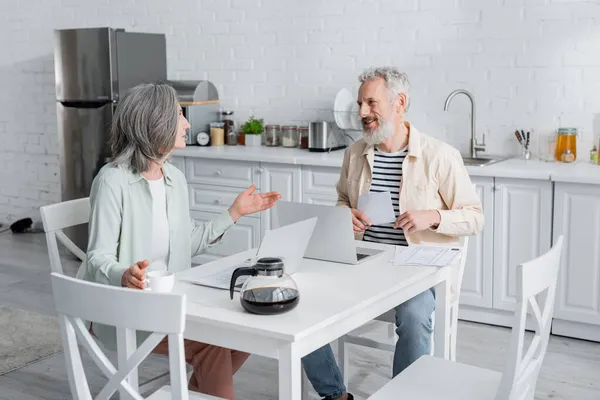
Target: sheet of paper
point(378, 207)
point(436, 256)
point(220, 279)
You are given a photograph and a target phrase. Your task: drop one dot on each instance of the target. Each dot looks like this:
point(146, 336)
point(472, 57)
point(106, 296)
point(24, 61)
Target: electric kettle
point(268, 290)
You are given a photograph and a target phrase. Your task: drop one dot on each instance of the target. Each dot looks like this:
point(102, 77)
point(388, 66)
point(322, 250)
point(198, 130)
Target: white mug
point(159, 281)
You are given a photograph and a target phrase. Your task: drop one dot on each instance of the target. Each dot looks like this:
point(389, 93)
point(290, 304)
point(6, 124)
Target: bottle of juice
point(566, 140)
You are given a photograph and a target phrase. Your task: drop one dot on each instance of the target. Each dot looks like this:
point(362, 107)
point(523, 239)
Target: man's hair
point(395, 81)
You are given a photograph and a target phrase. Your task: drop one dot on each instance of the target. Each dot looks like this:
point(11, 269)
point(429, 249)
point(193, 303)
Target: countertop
point(578, 172)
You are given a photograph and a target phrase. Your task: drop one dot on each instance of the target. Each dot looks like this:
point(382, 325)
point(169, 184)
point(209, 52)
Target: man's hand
point(360, 221)
point(416, 221)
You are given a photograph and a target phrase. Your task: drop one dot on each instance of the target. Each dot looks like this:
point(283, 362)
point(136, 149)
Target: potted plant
point(253, 128)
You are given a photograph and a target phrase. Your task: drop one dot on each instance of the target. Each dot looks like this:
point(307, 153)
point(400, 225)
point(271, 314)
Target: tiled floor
point(571, 369)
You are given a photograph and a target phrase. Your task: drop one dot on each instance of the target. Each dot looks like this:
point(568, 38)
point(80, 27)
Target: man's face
point(376, 111)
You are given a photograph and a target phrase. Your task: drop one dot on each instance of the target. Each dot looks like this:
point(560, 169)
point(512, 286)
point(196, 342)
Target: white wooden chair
point(57, 217)
point(390, 317)
point(67, 214)
point(161, 313)
point(435, 378)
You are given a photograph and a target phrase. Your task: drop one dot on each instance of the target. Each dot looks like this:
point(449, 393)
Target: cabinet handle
point(497, 187)
point(217, 201)
point(218, 172)
point(260, 170)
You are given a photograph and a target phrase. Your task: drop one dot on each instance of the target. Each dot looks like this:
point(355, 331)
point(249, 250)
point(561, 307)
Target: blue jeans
point(414, 328)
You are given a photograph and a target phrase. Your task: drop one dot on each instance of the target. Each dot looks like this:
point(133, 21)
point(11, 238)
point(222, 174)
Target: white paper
point(435, 256)
point(378, 207)
point(220, 279)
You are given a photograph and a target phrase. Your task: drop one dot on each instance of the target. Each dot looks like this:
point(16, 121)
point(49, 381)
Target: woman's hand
point(249, 202)
point(134, 276)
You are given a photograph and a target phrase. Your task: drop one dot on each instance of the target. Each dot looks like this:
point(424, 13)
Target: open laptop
point(332, 238)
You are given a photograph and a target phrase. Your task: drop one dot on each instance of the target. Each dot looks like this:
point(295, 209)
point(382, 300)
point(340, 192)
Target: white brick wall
point(528, 62)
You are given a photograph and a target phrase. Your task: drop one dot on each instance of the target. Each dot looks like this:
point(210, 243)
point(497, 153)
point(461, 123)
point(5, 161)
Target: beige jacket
point(434, 178)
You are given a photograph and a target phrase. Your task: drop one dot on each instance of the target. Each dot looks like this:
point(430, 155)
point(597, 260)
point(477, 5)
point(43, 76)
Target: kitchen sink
point(482, 161)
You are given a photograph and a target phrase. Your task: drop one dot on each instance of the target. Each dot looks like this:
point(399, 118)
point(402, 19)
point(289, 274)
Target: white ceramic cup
point(159, 281)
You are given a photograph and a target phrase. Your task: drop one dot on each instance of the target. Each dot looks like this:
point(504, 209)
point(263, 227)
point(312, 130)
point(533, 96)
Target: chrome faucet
point(475, 146)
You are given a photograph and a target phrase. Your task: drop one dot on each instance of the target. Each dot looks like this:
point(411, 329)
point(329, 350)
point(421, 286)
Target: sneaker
point(350, 397)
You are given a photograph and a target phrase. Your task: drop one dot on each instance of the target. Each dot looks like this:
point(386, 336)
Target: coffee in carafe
point(268, 290)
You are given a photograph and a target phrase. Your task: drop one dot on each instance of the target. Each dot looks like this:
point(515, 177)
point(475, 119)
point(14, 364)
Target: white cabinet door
point(321, 199)
point(244, 235)
point(477, 281)
point(178, 162)
point(577, 217)
point(285, 179)
point(523, 231)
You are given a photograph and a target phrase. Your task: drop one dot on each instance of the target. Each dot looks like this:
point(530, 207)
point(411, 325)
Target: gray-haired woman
point(140, 219)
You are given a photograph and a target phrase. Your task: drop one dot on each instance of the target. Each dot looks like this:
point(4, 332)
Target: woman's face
point(182, 126)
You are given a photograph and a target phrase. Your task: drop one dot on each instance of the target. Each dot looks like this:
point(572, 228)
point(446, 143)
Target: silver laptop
point(332, 238)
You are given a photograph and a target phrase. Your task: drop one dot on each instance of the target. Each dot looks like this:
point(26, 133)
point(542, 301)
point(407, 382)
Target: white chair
point(57, 217)
point(390, 317)
point(435, 378)
point(67, 214)
point(161, 313)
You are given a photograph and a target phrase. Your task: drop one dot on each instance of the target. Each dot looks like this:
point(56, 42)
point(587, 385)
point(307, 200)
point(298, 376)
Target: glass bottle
point(566, 140)
point(229, 128)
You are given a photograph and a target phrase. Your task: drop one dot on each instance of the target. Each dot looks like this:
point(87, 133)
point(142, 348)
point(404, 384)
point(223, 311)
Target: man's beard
point(384, 130)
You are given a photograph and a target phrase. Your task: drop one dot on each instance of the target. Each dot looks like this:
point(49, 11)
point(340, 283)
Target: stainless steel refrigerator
point(94, 67)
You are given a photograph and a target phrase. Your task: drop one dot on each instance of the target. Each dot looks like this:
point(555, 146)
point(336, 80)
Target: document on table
point(219, 279)
point(435, 256)
point(378, 207)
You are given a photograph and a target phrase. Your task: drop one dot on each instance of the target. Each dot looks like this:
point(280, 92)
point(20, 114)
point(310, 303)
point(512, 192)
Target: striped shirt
point(387, 175)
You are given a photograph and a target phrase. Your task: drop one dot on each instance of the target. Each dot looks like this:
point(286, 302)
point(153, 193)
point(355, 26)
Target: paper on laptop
point(435, 256)
point(378, 207)
point(288, 242)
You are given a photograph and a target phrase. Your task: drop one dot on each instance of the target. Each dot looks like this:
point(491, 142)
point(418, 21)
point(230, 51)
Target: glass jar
point(566, 140)
point(229, 128)
point(271, 135)
point(303, 134)
point(289, 136)
point(217, 134)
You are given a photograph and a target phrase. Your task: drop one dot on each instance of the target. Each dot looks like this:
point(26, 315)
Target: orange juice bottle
point(566, 140)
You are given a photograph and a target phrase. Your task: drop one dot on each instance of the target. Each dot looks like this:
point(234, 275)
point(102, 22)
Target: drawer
point(213, 198)
point(320, 180)
point(239, 174)
point(320, 199)
point(244, 235)
point(178, 162)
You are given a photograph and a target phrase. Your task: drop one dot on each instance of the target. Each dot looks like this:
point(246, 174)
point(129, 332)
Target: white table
point(334, 300)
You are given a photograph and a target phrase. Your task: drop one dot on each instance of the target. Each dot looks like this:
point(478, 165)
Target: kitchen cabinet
point(318, 185)
point(577, 217)
point(477, 281)
point(285, 179)
point(522, 232)
point(178, 162)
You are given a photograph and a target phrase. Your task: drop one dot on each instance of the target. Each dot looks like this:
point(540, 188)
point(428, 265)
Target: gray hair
point(396, 81)
point(144, 126)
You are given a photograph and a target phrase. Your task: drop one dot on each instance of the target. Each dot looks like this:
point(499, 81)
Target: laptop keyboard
point(360, 256)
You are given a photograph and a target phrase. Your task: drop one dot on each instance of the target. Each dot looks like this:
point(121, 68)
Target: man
point(433, 199)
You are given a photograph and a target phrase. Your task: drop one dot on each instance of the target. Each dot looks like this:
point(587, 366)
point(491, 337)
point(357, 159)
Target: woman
point(140, 219)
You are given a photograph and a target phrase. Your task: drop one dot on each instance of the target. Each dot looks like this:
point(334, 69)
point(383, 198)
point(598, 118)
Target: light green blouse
point(120, 228)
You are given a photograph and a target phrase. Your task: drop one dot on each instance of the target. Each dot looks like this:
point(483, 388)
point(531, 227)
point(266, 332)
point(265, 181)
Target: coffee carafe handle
point(242, 271)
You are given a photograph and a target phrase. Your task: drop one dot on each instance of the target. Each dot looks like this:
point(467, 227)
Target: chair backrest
point(128, 310)
point(57, 217)
point(536, 280)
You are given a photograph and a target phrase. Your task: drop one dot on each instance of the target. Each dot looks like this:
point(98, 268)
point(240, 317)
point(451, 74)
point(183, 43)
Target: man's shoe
point(350, 397)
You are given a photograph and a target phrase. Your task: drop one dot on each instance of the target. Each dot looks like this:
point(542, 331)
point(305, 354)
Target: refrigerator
point(94, 67)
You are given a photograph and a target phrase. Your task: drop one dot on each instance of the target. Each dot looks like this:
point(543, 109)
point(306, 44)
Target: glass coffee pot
point(268, 290)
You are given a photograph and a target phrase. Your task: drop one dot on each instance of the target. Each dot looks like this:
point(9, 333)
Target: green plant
point(253, 126)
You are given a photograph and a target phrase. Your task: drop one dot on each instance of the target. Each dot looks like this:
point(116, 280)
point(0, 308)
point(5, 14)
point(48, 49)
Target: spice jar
point(566, 140)
point(289, 136)
point(271, 134)
point(567, 156)
point(303, 133)
point(217, 134)
point(229, 128)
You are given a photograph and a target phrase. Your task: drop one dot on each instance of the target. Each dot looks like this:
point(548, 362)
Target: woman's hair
point(144, 126)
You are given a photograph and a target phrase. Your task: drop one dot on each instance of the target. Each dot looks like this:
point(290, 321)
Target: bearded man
point(433, 198)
